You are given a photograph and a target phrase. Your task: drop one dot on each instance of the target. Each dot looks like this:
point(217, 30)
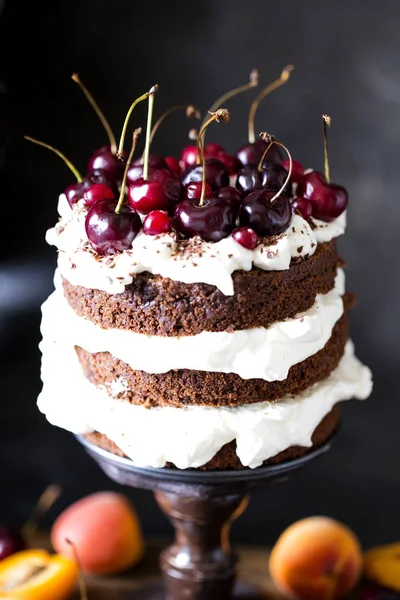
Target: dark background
point(346, 55)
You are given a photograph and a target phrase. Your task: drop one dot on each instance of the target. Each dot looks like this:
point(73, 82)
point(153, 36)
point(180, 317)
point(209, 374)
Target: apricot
point(316, 558)
point(382, 565)
point(105, 531)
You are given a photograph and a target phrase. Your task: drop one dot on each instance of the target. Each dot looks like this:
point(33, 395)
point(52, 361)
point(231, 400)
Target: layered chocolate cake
point(211, 332)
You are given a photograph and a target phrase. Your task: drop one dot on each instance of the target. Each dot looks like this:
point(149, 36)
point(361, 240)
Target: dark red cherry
point(246, 237)
point(109, 232)
point(265, 217)
point(11, 541)
point(252, 153)
point(97, 191)
point(273, 176)
point(75, 191)
point(173, 164)
point(212, 221)
point(297, 170)
point(328, 199)
point(303, 206)
point(229, 193)
point(104, 159)
point(217, 175)
point(212, 150)
point(232, 163)
point(193, 190)
point(161, 191)
point(248, 179)
point(135, 171)
point(157, 222)
point(189, 155)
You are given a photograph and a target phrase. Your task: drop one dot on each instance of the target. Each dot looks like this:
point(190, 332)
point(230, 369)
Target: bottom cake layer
point(226, 458)
point(192, 436)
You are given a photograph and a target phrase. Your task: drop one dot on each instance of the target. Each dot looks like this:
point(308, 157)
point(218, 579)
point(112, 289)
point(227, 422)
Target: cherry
point(303, 206)
point(232, 163)
point(189, 155)
point(108, 231)
point(328, 199)
point(212, 150)
point(161, 190)
point(246, 237)
point(76, 191)
point(248, 179)
point(297, 170)
point(251, 153)
point(213, 220)
point(11, 541)
point(110, 226)
point(193, 190)
point(97, 191)
point(265, 213)
point(173, 164)
point(217, 175)
point(230, 193)
point(107, 161)
point(136, 169)
point(157, 222)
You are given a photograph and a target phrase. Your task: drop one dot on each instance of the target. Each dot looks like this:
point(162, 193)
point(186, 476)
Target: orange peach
point(105, 531)
point(316, 559)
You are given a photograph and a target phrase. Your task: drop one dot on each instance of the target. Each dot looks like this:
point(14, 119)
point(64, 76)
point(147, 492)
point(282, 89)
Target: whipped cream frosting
point(263, 353)
point(191, 436)
point(189, 261)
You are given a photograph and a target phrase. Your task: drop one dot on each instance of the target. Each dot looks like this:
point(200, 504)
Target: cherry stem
point(128, 116)
point(43, 505)
point(267, 90)
point(146, 152)
point(221, 114)
point(81, 579)
point(111, 137)
point(192, 112)
point(253, 82)
point(326, 122)
point(270, 139)
point(136, 134)
point(60, 154)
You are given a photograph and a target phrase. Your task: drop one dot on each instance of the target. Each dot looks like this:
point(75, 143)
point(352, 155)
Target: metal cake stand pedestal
point(201, 505)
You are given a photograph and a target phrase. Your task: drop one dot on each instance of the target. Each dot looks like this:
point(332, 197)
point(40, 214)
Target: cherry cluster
point(193, 196)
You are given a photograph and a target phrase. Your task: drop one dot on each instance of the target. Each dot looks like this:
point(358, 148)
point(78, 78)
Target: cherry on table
point(161, 191)
point(157, 222)
point(217, 175)
point(108, 231)
point(246, 237)
point(328, 199)
point(265, 217)
point(212, 221)
point(11, 541)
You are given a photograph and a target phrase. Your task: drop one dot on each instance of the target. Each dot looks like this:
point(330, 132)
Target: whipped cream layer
point(191, 436)
point(189, 261)
point(262, 353)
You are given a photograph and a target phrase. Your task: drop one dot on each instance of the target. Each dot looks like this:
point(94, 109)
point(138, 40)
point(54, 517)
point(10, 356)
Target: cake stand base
point(201, 505)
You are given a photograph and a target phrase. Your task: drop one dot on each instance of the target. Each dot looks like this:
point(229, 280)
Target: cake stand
point(201, 505)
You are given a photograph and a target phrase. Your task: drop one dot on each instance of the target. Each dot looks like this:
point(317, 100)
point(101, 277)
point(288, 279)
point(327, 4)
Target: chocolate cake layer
point(184, 387)
point(226, 458)
point(156, 305)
